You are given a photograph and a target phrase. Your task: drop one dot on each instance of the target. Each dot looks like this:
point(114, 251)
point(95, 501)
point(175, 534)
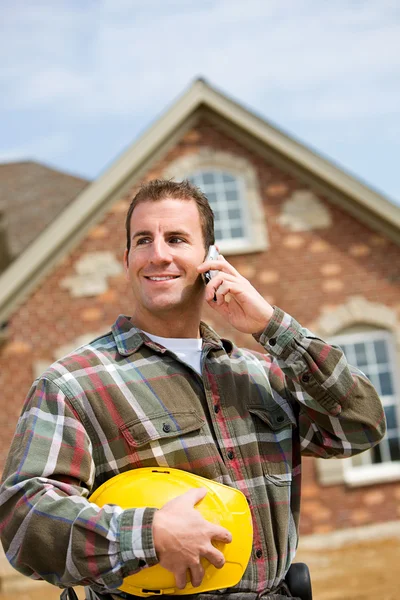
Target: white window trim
point(209, 159)
point(360, 312)
point(370, 474)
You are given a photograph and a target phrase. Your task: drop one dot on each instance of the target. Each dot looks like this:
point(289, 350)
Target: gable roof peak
point(66, 230)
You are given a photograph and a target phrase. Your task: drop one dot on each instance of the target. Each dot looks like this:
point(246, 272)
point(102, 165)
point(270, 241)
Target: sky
point(81, 80)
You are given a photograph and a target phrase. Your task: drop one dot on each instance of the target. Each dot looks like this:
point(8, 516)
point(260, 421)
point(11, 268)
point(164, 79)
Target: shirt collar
point(129, 338)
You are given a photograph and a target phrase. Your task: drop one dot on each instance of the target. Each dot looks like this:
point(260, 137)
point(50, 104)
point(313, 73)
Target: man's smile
point(161, 277)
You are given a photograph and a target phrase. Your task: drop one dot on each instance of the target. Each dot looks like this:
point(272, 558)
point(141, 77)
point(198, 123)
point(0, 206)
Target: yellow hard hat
point(222, 505)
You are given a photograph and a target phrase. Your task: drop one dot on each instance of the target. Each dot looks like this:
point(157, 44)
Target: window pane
point(376, 455)
point(227, 178)
point(224, 194)
point(394, 446)
point(231, 195)
point(367, 374)
point(360, 354)
point(385, 380)
point(234, 213)
point(208, 177)
point(237, 232)
point(380, 351)
point(391, 418)
point(212, 198)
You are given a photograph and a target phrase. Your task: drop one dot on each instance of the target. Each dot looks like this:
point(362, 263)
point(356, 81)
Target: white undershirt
point(187, 349)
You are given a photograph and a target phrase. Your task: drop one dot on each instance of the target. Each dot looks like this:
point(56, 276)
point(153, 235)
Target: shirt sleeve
point(49, 529)
point(340, 411)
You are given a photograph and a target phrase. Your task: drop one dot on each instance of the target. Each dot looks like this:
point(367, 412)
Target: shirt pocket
point(167, 439)
point(274, 432)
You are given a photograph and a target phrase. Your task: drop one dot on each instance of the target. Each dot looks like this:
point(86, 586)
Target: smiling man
point(163, 389)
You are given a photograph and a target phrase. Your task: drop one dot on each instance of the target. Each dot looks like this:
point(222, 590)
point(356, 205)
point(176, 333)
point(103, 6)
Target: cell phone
point(212, 254)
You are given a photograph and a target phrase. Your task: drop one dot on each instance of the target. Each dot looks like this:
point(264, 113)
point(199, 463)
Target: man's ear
point(126, 262)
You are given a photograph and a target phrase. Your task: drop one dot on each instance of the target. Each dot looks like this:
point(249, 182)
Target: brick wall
point(302, 272)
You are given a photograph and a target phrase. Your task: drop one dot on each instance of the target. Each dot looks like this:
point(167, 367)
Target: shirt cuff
point(279, 333)
point(136, 539)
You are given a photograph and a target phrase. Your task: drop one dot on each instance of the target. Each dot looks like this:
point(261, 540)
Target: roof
point(31, 196)
point(199, 99)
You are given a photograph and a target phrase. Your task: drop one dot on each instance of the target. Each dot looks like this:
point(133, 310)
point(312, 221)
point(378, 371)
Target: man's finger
point(227, 288)
point(196, 494)
point(218, 265)
point(192, 496)
point(215, 557)
point(220, 534)
point(196, 574)
point(180, 578)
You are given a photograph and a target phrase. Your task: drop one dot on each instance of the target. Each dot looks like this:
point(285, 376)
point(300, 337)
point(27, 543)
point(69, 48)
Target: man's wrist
point(268, 316)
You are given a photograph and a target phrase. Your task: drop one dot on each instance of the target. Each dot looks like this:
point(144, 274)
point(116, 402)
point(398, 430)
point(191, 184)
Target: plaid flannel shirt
point(123, 402)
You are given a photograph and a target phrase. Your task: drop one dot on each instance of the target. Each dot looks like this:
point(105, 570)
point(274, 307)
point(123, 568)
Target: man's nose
point(161, 252)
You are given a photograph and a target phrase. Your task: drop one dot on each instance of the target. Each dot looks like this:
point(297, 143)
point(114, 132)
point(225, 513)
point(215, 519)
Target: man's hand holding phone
point(233, 296)
point(212, 254)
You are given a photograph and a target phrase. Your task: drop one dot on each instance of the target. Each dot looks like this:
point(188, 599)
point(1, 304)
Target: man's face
point(166, 247)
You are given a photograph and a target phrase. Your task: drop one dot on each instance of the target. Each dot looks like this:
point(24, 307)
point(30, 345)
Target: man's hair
point(160, 189)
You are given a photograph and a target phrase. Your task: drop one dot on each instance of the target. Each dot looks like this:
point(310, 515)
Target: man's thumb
point(195, 495)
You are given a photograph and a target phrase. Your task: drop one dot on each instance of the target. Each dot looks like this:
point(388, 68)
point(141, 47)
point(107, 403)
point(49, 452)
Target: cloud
point(40, 148)
point(327, 72)
point(117, 56)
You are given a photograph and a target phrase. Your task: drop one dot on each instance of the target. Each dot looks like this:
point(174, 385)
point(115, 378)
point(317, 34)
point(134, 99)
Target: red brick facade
point(302, 272)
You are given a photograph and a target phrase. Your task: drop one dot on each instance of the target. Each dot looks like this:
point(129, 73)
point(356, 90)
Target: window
point(373, 353)
point(230, 182)
point(225, 193)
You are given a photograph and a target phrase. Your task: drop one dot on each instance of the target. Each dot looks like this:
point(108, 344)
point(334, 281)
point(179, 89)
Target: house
point(31, 196)
point(312, 238)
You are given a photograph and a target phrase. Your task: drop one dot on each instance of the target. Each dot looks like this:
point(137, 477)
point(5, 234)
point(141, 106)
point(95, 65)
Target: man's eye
point(176, 240)
point(142, 241)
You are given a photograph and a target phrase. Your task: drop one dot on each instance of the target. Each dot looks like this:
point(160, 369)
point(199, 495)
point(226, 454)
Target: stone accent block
point(304, 212)
point(359, 250)
point(293, 242)
point(92, 271)
point(330, 269)
point(332, 285)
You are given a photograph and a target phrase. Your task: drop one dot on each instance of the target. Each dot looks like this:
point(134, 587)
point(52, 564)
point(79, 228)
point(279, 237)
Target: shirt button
point(166, 427)
point(259, 553)
point(305, 378)
point(230, 455)
point(216, 408)
point(272, 342)
point(280, 418)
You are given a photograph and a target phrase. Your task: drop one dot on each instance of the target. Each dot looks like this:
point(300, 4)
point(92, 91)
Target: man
point(163, 389)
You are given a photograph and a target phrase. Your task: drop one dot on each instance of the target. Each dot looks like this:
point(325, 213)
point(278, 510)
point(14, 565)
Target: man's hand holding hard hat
point(182, 537)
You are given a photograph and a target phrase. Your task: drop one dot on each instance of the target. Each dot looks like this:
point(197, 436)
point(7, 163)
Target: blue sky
point(80, 80)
